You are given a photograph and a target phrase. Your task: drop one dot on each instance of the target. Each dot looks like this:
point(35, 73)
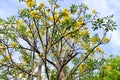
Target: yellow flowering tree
point(53, 43)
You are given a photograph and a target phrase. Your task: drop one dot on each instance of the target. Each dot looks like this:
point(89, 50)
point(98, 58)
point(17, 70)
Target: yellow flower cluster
point(22, 75)
point(55, 17)
point(106, 40)
point(87, 46)
point(79, 23)
point(31, 3)
point(65, 14)
point(108, 67)
point(2, 48)
point(34, 14)
point(99, 49)
point(29, 32)
point(94, 11)
point(7, 58)
point(57, 6)
point(42, 32)
point(93, 40)
point(84, 32)
point(91, 58)
point(14, 44)
point(19, 22)
point(2, 23)
point(81, 68)
point(41, 5)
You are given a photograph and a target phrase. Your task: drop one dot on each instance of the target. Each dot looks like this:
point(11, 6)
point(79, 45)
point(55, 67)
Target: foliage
point(110, 70)
point(47, 42)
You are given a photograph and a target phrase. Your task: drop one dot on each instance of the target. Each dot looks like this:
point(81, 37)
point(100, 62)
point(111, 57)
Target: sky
point(104, 7)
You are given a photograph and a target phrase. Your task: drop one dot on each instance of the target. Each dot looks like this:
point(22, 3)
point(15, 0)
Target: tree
point(110, 70)
point(58, 44)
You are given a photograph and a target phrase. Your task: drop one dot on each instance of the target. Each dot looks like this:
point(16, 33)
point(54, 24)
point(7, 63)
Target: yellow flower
point(65, 14)
point(57, 6)
point(34, 14)
point(84, 32)
point(79, 23)
point(94, 11)
point(106, 40)
point(56, 17)
point(30, 4)
point(81, 68)
point(42, 33)
point(2, 23)
point(93, 40)
point(22, 75)
point(99, 49)
point(19, 22)
point(108, 67)
point(91, 58)
point(2, 48)
point(29, 31)
point(14, 44)
point(41, 5)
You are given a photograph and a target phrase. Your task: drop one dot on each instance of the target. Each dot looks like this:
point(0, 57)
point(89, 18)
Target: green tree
point(110, 70)
point(53, 43)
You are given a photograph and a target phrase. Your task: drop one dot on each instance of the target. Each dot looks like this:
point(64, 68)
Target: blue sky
point(104, 7)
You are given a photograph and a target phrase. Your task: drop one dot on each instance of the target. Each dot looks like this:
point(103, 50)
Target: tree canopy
point(47, 42)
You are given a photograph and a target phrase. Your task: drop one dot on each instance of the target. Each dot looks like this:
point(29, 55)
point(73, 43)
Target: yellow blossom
point(14, 44)
point(79, 23)
point(57, 6)
point(19, 22)
point(108, 67)
point(106, 40)
point(2, 48)
point(56, 17)
point(2, 23)
point(42, 33)
point(29, 31)
point(81, 68)
point(99, 49)
point(34, 14)
point(65, 14)
point(91, 58)
point(22, 75)
point(84, 32)
point(93, 40)
point(30, 4)
point(41, 5)
point(94, 11)
point(1, 51)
